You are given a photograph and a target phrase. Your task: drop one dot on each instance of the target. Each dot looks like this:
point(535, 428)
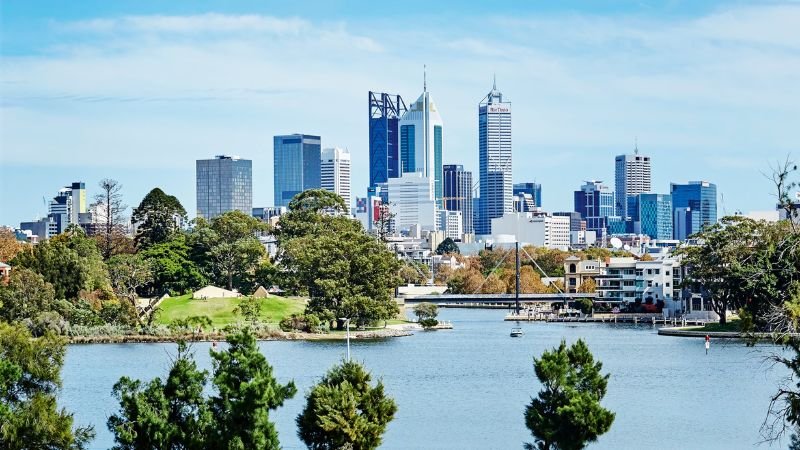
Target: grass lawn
point(731, 325)
point(220, 310)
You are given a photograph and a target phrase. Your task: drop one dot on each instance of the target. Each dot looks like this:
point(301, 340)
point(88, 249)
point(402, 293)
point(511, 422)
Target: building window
point(572, 268)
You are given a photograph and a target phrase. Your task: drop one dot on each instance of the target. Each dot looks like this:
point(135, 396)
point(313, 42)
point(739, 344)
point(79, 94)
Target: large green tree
point(158, 218)
point(29, 383)
point(567, 414)
point(246, 392)
point(315, 211)
point(447, 246)
point(173, 270)
point(25, 296)
point(129, 273)
point(345, 410)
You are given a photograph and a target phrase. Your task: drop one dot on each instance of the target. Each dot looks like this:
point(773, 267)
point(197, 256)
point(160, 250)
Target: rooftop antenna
point(494, 81)
point(424, 78)
point(636, 145)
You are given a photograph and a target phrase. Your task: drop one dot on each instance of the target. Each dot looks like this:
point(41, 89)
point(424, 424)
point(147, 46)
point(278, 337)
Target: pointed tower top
point(424, 78)
point(494, 81)
point(636, 145)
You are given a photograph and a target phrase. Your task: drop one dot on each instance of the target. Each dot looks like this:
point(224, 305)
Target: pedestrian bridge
point(495, 299)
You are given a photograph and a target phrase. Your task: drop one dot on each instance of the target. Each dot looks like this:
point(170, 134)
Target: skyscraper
point(494, 153)
point(385, 111)
point(595, 203)
point(224, 184)
point(458, 193)
point(696, 206)
point(409, 200)
point(632, 176)
point(655, 215)
point(533, 189)
point(297, 165)
point(335, 172)
point(421, 142)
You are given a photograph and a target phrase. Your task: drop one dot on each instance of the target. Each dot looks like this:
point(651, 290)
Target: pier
point(651, 319)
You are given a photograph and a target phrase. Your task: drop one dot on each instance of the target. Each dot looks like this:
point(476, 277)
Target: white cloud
point(194, 24)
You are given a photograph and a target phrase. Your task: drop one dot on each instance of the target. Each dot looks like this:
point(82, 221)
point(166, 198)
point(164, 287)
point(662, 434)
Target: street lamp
point(347, 324)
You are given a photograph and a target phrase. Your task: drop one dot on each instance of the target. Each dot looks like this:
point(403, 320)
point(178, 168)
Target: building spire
point(636, 145)
point(424, 78)
point(494, 81)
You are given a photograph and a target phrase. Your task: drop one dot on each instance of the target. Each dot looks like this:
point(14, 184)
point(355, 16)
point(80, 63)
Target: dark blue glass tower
point(384, 158)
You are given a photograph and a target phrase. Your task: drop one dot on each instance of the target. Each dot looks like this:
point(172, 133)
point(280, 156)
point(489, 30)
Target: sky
point(138, 90)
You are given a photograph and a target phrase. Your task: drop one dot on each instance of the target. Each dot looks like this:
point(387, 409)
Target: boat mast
point(516, 299)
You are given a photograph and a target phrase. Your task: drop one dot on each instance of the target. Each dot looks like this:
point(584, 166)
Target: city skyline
point(567, 127)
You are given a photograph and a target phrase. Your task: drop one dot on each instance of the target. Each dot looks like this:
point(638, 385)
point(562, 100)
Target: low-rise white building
point(627, 280)
point(452, 224)
point(532, 229)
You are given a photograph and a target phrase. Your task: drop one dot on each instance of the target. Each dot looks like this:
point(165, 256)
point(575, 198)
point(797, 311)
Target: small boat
point(516, 332)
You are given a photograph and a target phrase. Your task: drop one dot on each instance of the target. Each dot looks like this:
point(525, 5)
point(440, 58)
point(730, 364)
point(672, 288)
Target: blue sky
point(137, 90)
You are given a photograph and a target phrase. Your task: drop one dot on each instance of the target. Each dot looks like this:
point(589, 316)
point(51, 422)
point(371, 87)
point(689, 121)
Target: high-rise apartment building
point(421, 143)
point(632, 176)
point(655, 215)
point(595, 202)
point(335, 172)
point(224, 184)
point(532, 189)
point(410, 202)
point(458, 193)
point(494, 154)
point(297, 165)
point(385, 111)
point(694, 206)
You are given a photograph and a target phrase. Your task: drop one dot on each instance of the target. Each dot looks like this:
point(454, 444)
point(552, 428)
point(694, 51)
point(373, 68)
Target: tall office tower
point(335, 172)
point(655, 215)
point(595, 203)
point(421, 142)
point(66, 208)
point(632, 176)
point(224, 184)
point(297, 165)
point(458, 193)
point(696, 204)
point(532, 189)
point(410, 202)
point(385, 111)
point(494, 153)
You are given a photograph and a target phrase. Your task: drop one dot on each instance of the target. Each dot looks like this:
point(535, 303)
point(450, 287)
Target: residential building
point(297, 165)
point(266, 213)
point(655, 215)
point(494, 155)
point(532, 189)
point(532, 229)
point(385, 111)
point(632, 176)
point(458, 194)
point(421, 143)
point(452, 224)
point(694, 207)
point(577, 272)
point(410, 202)
point(335, 172)
point(624, 281)
point(224, 184)
point(595, 203)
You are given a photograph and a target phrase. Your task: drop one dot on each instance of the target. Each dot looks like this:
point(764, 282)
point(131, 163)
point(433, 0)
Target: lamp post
point(347, 324)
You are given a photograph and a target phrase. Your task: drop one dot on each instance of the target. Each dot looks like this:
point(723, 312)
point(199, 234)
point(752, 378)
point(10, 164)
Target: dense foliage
point(344, 410)
point(159, 217)
point(566, 414)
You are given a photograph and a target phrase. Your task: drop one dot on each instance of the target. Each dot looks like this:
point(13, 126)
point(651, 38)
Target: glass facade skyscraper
point(458, 193)
point(385, 111)
point(595, 203)
point(297, 165)
point(655, 215)
point(694, 206)
point(494, 155)
point(421, 143)
point(224, 184)
point(534, 189)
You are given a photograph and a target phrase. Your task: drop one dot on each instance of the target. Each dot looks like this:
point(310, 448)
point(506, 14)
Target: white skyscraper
point(494, 154)
point(421, 142)
point(409, 200)
point(632, 177)
point(335, 172)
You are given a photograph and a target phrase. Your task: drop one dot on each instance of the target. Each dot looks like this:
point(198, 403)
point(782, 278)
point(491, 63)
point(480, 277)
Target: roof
point(4, 265)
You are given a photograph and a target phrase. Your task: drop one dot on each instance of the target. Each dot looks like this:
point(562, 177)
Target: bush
point(428, 323)
point(585, 305)
point(308, 323)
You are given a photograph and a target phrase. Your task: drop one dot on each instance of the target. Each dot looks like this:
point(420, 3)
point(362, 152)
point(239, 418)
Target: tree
point(426, 310)
point(249, 308)
point(312, 212)
point(9, 245)
point(29, 383)
point(173, 270)
point(158, 217)
point(567, 414)
point(111, 208)
point(447, 246)
point(128, 273)
point(588, 286)
point(383, 222)
point(413, 272)
point(246, 392)
point(26, 295)
point(169, 414)
point(345, 411)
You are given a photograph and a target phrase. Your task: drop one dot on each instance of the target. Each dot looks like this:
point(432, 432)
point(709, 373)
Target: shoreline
point(384, 333)
point(693, 332)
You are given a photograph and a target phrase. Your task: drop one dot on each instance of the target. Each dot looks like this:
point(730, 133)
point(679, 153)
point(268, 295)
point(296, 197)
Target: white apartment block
point(410, 200)
point(626, 280)
point(532, 229)
point(335, 172)
point(452, 224)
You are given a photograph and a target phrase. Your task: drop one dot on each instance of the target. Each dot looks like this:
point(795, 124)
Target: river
point(467, 388)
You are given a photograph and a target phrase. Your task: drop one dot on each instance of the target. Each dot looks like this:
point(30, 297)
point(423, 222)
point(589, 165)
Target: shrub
point(428, 323)
point(308, 323)
point(585, 305)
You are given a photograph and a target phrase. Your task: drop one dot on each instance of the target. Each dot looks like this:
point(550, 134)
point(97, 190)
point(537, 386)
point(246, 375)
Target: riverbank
point(700, 332)
point(271, 335)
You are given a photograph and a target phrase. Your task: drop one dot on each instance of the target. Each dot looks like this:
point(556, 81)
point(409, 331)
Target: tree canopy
point(158, 218)
point(447, 246)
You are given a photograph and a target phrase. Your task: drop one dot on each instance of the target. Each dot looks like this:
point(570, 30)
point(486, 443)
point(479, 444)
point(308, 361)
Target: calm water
point(468, 387)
